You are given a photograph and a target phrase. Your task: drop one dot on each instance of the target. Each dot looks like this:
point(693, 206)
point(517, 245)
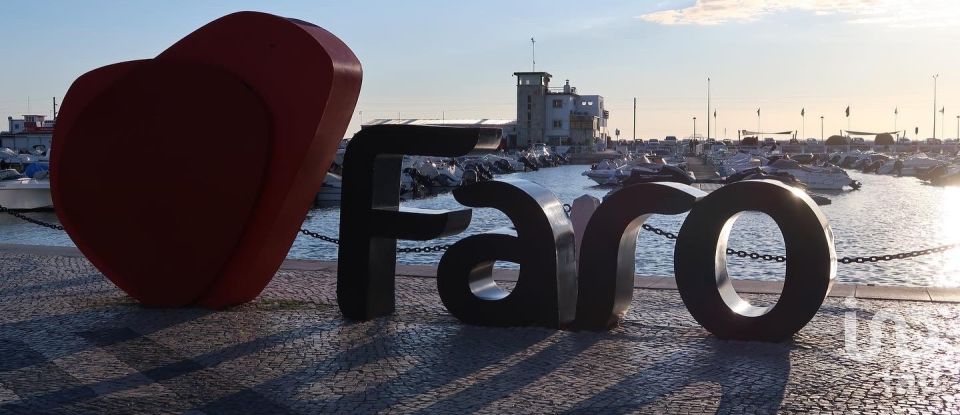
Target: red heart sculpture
point(185, 178)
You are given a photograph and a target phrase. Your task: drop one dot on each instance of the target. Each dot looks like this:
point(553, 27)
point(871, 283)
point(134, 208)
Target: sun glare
point(950, 223)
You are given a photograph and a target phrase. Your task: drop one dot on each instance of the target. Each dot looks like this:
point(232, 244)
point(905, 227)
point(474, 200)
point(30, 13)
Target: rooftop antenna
point(533, 47)
point(54, 108)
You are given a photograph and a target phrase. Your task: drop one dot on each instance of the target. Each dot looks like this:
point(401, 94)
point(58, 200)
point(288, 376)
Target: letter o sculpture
point(701, 269)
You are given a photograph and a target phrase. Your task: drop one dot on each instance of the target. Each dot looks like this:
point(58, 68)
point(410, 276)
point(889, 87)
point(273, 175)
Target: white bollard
point(581, 210)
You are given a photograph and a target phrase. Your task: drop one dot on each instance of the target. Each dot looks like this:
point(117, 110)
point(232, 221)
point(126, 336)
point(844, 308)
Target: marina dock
point(699, 169)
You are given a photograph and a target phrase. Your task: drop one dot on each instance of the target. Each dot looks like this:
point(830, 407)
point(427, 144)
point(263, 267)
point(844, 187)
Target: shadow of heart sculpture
point(185, 178)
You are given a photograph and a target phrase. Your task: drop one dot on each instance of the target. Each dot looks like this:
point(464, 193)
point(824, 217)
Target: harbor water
point(889, 215)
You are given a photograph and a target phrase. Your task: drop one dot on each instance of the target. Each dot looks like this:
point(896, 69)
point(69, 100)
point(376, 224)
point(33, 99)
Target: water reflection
point(888, 216)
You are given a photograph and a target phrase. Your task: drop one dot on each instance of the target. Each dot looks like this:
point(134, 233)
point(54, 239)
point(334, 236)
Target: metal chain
point(754, 255)
point(319, 236)
point(417, 250)
point(655, 230)
point(844, 260)
point(31, 220)
point(658, 231)
point(902, 255)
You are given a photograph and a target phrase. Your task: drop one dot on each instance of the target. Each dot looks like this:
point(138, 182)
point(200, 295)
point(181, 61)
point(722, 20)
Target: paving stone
point(70, 342)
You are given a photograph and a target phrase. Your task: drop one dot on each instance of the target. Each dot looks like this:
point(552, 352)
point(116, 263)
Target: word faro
point(556, 287)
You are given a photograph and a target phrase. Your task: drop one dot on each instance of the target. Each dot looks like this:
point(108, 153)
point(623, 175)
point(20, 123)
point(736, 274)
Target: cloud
point(897, 13)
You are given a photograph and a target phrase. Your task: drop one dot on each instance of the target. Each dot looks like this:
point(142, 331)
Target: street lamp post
point(935, 105)
point(958, 128)
point(821, 129)
point(694, 128)
point(943, 117)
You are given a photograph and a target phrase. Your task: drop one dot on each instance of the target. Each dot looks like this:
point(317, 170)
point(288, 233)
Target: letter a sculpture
point(184, 178)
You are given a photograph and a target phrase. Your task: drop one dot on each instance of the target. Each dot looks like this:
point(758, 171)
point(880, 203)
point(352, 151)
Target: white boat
point(605, 172)
point(612, 172)
point(23, 193)
point(827, 177)
point(909, 166)
point(738, 162)
point(514, 164)
point(329, 193)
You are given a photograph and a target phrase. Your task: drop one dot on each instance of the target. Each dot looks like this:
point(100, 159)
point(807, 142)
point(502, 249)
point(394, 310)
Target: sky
point(453, 59)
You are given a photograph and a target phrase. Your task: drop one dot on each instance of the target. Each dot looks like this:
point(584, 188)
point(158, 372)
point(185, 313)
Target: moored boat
point(826, 177)
point(18, 192)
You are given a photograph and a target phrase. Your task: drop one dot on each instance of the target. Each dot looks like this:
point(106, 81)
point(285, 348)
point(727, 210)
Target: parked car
point(903, 140)
point(769, 140)
point(934, 141)
point(812, 140)
point(857, 140)
point(653, 141)
point(670, 140)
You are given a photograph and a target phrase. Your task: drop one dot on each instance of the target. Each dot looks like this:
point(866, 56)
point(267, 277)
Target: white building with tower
point(28, 132)
point(557, 115)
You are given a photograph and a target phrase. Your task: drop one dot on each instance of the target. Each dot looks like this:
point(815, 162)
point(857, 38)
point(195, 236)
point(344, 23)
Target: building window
point(557, 123)
point(558, 103)
point(590, 103)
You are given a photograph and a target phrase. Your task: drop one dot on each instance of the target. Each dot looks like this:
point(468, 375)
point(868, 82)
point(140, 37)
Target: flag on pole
point(714, 113)
point(942, 109)
point(895, 111)
point(848, 111)
point(758, 112)
point(802, 111)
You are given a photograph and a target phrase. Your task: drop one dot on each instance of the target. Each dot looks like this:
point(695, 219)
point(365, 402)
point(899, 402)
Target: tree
point(836, 140)
point(883, 140)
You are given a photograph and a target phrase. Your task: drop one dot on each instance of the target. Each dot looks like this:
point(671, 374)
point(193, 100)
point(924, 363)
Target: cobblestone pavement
point(72, 343)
